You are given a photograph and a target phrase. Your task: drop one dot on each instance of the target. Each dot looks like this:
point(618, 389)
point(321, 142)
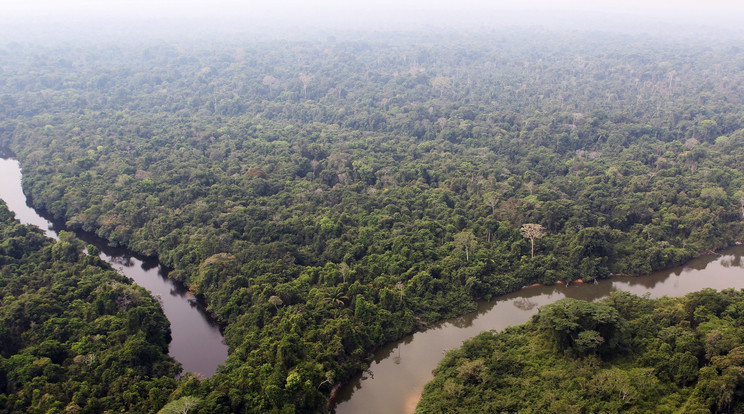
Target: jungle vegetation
point(75, 335)
point(622, 354)
point(326, 197)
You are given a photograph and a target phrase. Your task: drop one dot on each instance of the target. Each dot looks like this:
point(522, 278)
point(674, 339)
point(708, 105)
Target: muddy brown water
point(399, 371)
point(196, 339)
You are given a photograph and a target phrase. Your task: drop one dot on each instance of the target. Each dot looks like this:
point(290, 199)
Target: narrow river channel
point(196, 339)
point(400, 370)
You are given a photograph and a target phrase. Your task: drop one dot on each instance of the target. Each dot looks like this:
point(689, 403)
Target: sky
point(279, 7)
point(380, 14)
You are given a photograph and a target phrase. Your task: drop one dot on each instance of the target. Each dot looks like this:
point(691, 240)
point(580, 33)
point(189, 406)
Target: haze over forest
point(330, 177)
point(200, 19)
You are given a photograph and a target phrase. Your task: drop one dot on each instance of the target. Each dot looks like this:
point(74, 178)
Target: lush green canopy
point(328, 197)
point(668, 355)
point(75, 335)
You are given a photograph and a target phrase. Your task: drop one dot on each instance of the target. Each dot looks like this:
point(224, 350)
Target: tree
point(581, 326)
point(344, 268)
point(305, 79)
point(270, 81)
point(492, 200)
point(336, 296)
point(442, 84)
point(532, 231)
point(465, 240)
point(276, 301)
point(180, 406)
point(740, 195)
point(531, 187)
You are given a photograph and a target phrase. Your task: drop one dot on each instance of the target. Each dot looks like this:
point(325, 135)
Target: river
point(399, 371)
point(196, 339)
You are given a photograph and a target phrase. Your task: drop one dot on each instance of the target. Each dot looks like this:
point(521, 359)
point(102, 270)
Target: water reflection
point(400, 370)
point(196, 339)
point(396, 358)
point(525, 304)
point(731, 261)
point(12, 194)
point(460, 322)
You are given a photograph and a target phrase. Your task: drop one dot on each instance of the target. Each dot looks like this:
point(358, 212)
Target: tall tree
point(270, 81)
point(305, 79)
point(532, 231)
point(465, 240)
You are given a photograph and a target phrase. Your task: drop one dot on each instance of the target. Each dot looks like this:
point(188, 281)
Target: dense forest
point(75, 335)
point(326, 197)
point(622, 354)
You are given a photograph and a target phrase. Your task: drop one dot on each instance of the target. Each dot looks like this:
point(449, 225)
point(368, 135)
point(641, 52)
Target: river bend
point(196, 339)
point(399, 371)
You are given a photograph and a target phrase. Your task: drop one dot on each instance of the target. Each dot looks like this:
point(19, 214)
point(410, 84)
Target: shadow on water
point(399, 371)
point(122, 258)
point(196, 340)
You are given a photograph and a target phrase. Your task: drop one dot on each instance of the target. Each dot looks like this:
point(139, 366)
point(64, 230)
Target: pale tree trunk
point(532, 241)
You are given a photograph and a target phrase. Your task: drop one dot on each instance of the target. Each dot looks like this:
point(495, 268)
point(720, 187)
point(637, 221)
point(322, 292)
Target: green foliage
point(180, 406)
point(582, 327)
point(76, 336)
point(662, 367)
point(255, 170)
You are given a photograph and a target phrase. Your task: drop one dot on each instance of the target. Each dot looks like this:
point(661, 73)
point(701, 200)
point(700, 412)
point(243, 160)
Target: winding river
point(399, 371)
point(196, 339)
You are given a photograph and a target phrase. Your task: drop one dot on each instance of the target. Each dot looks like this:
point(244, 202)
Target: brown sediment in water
point(412, 399)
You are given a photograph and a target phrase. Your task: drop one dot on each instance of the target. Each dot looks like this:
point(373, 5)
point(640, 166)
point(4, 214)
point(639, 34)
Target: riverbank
point(196, 339)
point(401, 368)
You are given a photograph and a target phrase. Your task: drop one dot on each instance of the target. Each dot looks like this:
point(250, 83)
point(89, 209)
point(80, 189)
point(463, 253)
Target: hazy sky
point(380, 14)
point(216, 7)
